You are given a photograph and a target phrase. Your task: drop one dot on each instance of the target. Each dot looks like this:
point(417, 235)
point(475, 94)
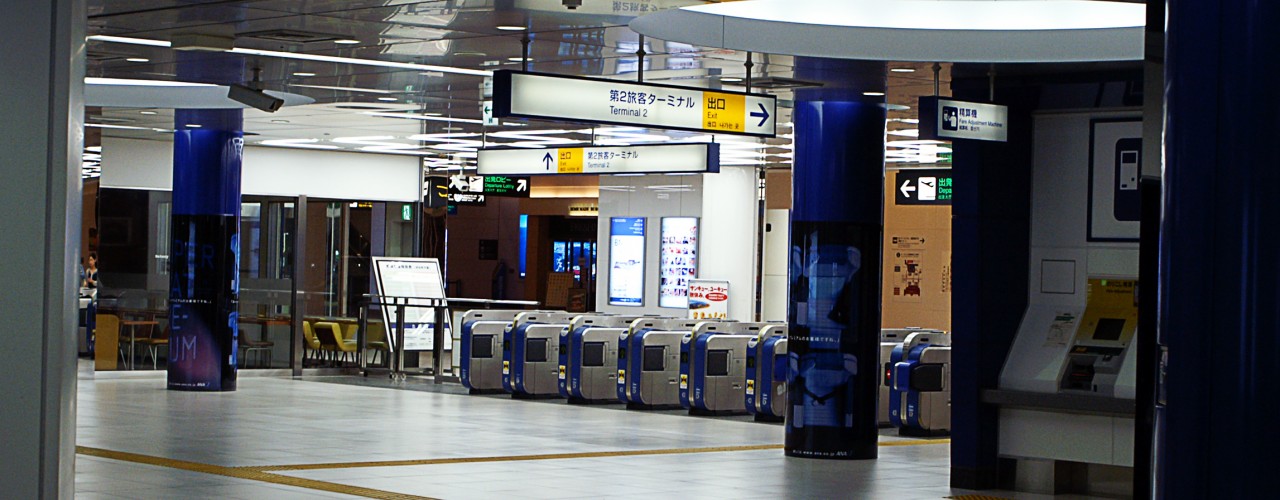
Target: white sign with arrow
point(657, 158)
point(556, 97)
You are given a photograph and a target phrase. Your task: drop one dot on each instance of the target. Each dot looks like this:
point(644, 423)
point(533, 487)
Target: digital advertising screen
point(626, 261)
point(679, 260)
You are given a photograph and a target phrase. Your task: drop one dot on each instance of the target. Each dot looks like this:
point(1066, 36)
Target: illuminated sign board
point(662, 158)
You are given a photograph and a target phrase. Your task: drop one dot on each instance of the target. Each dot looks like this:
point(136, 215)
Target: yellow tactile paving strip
point(265, 473)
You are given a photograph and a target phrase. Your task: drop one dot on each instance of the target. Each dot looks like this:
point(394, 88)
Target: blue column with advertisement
point(205, 251)
point(836, 233)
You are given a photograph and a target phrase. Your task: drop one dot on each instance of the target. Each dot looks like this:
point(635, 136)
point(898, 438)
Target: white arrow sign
point(906, 188)
point(522, 185)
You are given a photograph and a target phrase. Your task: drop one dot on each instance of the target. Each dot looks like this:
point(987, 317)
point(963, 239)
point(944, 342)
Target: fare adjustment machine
point(1101, 343)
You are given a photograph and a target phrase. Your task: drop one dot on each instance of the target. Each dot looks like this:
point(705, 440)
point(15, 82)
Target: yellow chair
point(348, 342)
point(330, 335)
point(106, 343)
point(312, 344)
point(376, 339)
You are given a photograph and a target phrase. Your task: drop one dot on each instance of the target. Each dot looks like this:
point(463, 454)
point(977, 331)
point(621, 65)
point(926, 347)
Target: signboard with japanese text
point(492, 185)
point(570, 98)
point(626, 261)
point(708, 299)
point(947, 119)
point(418, 279)
point(923, 187)
point(658, 158)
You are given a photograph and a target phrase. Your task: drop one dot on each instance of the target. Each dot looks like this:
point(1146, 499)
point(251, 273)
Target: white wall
point(651, 197)
point(728, 240)
point(725, 202)
point(141, 164)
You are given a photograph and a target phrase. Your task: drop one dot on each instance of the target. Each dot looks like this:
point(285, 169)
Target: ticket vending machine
point(588, 349)
point(889, 339)
point(766, 392)
point(631, 354)
point(518, 327)
point(920, 400)
point(713, 370)
point(480, 366)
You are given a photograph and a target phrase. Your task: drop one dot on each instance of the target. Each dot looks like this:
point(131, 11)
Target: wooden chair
point(153, 343)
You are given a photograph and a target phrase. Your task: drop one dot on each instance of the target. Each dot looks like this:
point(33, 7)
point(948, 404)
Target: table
point(133, 328)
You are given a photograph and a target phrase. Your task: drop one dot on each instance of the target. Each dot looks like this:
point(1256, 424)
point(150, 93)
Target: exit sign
point(923, 187)
point(406, 211)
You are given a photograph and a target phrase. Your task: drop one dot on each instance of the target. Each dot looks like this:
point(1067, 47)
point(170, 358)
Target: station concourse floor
point(280, 438)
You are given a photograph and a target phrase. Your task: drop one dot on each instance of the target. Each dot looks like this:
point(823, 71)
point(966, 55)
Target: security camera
point(571, 4)
point(255, 98)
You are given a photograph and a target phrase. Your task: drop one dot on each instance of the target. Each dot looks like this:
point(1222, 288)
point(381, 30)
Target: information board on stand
point(708, 299)
point(421, 280)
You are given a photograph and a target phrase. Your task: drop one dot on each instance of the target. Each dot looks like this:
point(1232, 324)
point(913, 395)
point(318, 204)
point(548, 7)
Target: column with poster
point(626, 261)
point(678, 260)
point(417, 281)
point(708, 299)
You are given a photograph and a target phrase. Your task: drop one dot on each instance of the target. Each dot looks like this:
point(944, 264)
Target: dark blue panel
point(206, 171)
point(1219, 271)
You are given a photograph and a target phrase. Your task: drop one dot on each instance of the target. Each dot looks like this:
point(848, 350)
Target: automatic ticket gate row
point(483, 333)
point(588, 348)
point(713, 367)
point(649, 362)
point(919, 379)
point(766, 391)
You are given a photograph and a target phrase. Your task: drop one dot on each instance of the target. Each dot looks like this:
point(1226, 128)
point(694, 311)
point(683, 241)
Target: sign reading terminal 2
point(553, 97)
point(652, 159)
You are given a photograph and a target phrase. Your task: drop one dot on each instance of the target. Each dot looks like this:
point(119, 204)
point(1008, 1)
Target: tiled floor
point(277, 422)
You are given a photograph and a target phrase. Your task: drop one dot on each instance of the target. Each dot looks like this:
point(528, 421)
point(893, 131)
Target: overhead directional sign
point(923, 187)
point(951, 119)
point(493, 185)
point(657, 158)
point(569, 98)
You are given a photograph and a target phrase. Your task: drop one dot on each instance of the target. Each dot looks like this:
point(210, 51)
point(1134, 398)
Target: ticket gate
point(920, 401)
point(588, 349)
point(518, 327)
point(766, 392)
point(480, 366)
point(889, 339)
point(713, 370)
point(654, 377)
point(631, 348)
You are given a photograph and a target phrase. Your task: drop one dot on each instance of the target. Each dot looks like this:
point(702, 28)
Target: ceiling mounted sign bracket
point(524, 51)
point(749, 64)
point(991, 83)
point(937, 72)
point(640, 53)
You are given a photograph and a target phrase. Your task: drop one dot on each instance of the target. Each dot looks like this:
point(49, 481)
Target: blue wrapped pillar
point(205, 251)
point(836, 234)
point(1219, 272)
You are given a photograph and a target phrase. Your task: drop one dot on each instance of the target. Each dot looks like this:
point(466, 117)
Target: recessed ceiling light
point(303, 73)
point(346, 41)
point(511, 28)
point(873, 94)
point(903, 70)
point(147, 112)
point(388, 99)
point(138, 59)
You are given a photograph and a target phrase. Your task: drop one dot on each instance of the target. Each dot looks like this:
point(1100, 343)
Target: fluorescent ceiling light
point(346, 41)
point(511, 28)
point(124, 127)
point(873, 94)
point(307, 57)
point(730, 79)
point(93, 80)
point(303, 73)
point(137, 59)
point(344, 89)
point(194, 125)
point(903, 70)
point(147, 112)
point(518, 59)
point(387, 99)
point(296, 143)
